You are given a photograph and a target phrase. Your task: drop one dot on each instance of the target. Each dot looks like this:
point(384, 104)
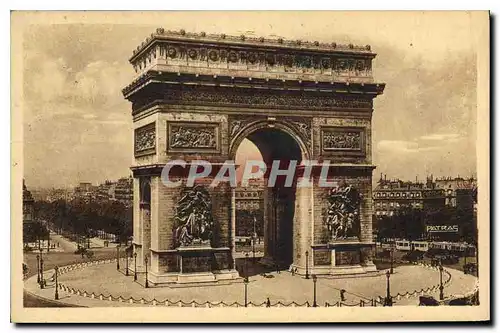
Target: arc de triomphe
point(197, 96)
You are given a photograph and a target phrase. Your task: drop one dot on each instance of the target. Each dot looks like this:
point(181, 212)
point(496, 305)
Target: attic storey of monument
point(198, 96)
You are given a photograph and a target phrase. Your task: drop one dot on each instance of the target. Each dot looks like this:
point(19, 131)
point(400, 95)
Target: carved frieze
point(295, 60)
point(193, 136)
point(350, 140)
point(268, 100)
point(298, 61)
point(342, 216)
point(145, 140)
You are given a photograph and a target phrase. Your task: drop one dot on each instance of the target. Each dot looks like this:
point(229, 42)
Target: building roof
point(27, 197)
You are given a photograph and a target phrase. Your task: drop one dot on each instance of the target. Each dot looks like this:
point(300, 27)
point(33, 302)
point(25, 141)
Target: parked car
point(427, 300)
point(413, 256)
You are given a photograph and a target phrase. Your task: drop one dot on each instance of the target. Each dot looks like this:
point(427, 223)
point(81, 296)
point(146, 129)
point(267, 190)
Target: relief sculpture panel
point(193, 218)
point(145, 140)
point(192, 136)
point(343, 218)
point(343, 140)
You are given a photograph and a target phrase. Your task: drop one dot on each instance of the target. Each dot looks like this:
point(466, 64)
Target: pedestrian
point(278, 269)
point(342, 295)
point(293, 271)
point(268, 303)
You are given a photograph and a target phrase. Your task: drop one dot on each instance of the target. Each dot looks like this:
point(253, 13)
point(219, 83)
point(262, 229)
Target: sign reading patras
point(442, 228)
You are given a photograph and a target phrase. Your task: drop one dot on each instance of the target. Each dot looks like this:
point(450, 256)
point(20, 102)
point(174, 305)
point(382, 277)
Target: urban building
point(28, 205)
point(29, 223)
point(56, 194)
point(106, 190)
point(460, 192)
point(123, 191)
point(85, 191)
point(120, 190)
point(393, 195)
point(249, 202)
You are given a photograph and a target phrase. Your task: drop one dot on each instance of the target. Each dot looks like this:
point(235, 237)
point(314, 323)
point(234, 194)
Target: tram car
point(403, 245)
point(456, 247)
point(243, 240)
point(421, 246)
point(424, 246)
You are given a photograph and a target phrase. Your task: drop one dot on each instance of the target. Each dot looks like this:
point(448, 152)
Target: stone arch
point(145, 191)
point(265, 124)
point(282, 212)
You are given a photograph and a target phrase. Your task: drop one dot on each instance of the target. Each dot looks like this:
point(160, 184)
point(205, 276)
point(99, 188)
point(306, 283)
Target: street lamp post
point(307, 264)
point(118, 257)
point(42, 282)
point(246, 265)
point(314, 283)
point(135, 266)
point(441, 294)
point(126, 264)
point(465, 260)
point(392, 260)
point(38, 268)
point(245, 281)
point(254, 236)
point(254, 239)
point(146, 265)
point(388, 298)
point(56, 271)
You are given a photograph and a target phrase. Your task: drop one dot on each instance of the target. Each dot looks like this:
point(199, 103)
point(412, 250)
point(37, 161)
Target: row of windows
point(384, 213)
point(396, 204)
point(247, 194)
point(248, 205)
point(397, 195)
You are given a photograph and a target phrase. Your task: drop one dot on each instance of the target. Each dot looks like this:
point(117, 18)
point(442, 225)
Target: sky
point(78, 127)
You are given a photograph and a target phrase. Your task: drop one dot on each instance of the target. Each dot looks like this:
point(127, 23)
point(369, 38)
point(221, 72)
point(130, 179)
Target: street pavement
point(284, 287)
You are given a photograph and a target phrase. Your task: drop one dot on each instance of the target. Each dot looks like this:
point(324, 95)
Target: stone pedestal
point(193, 264)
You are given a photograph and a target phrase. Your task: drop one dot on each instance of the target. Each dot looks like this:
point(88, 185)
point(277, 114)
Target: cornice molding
point(246, 41)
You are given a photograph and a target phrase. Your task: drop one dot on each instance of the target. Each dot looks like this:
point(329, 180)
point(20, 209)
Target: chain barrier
point(193, 303)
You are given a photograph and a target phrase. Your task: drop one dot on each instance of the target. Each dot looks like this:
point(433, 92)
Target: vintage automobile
point(427, 300)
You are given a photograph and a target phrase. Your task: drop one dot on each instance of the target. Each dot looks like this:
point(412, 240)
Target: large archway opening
point(277, 203)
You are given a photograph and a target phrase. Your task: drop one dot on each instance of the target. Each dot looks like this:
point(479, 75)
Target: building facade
point(249, 209)
point(391, 196)
point(460, 192)
point(28, 205)
point(123, 191)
